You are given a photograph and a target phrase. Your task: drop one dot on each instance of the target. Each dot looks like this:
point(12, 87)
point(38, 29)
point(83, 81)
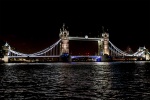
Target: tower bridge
point(60, 49)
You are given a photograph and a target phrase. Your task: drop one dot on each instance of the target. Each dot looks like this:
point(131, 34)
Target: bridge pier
point(106, 58)
point(5, 59)
point(6, 48)
point(65, 58)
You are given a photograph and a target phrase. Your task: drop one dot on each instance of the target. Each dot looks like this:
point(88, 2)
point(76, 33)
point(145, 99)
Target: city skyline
point(28, 24)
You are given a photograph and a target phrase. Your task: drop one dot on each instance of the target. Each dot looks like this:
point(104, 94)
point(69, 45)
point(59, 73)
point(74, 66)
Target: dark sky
point(30, 26)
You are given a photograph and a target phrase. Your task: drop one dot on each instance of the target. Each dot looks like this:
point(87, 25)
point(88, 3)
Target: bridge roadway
point(31, 56)
point(52, 56)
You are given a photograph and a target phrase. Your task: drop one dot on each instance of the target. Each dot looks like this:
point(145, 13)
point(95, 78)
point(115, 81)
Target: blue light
point(98, 60)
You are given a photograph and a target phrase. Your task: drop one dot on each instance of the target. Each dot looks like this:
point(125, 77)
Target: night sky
point(30, 26)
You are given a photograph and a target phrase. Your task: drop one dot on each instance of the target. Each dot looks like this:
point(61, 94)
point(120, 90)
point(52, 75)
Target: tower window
point(65, 34)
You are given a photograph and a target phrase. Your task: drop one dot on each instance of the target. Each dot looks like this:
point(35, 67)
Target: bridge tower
point(6, 48)
point(64, 36)
point(105, 37)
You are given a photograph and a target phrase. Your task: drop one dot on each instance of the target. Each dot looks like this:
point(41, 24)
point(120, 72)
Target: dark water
point(75, 81)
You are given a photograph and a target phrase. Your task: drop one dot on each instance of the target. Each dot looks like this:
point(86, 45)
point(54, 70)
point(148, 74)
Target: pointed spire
point(103, 29)
point(107, 30)
point(6, 44)
point(63, 27)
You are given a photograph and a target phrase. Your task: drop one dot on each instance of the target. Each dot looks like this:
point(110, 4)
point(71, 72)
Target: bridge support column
point(64, 36)
point(5, 59)
point(105, 37)
point(64, 45)
point(105, 47)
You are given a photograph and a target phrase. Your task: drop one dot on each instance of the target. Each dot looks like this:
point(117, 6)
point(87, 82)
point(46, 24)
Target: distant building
point(129, 50)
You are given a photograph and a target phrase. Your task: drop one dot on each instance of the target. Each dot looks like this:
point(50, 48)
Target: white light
point(86, 37)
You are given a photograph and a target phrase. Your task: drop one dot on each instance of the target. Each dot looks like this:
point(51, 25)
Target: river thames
point(75, 81)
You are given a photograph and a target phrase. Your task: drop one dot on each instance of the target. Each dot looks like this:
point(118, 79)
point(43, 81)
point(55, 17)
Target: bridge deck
point(31, 56)
point(52, 56)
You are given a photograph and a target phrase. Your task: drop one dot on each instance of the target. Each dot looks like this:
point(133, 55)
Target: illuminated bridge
point(105, 47)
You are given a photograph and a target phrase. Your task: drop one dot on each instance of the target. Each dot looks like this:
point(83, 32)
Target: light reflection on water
point(76, 80)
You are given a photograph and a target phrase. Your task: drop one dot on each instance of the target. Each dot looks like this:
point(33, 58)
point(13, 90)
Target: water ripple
point(71, 81)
